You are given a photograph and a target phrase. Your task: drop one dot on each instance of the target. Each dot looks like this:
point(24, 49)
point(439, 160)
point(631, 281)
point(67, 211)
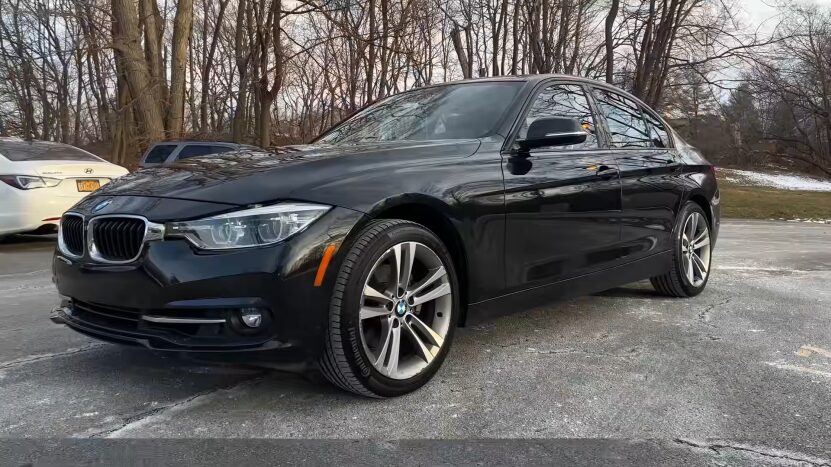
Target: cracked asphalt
point(742, 371)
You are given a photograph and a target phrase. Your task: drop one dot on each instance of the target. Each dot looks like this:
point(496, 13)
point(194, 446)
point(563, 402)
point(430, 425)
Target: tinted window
point(19, 151)
point(562, 100)
point(657, 131)
point(159, 153)
point(457, 111)
point(626, 125)
point(200, 150)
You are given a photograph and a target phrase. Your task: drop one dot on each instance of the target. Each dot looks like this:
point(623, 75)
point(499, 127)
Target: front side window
point(159, 153)
point(456, 111)
point(562, 100)
point(627, 127)
point(196, 150)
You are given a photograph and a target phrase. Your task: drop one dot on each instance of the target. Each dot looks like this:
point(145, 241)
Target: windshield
point(458, 111)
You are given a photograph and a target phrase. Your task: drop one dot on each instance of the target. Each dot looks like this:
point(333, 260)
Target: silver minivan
point(168, 152)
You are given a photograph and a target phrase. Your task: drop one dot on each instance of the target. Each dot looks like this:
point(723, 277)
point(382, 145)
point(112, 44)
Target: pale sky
point(761, 13)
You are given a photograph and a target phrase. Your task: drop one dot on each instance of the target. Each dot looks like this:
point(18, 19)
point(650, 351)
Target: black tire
point(344, 362)
point(674, 283)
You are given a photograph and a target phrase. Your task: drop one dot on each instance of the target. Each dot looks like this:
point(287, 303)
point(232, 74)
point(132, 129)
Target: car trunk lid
point(79, 169)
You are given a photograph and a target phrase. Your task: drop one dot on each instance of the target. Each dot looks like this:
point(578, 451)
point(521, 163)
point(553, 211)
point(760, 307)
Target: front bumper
point(209, 330)
point(173, 279)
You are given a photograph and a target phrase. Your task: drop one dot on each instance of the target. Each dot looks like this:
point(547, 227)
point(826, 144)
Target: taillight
point(28, 182)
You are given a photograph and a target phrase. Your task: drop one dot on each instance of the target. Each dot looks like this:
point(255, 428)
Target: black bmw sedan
point(360, 254)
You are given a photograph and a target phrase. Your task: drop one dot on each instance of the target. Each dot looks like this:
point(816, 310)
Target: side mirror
point(553, 131)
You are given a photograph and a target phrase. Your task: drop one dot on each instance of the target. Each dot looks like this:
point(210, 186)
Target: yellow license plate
point(87, 185)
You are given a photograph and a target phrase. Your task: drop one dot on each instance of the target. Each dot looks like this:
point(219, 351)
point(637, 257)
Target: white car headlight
point(248, 228)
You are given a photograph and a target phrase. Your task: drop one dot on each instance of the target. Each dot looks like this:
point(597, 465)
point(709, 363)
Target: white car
point(39, 180)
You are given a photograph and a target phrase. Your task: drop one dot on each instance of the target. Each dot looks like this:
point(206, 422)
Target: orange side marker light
point(324, 263)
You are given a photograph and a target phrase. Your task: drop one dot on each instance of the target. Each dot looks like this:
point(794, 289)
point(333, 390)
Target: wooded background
point(118, 75)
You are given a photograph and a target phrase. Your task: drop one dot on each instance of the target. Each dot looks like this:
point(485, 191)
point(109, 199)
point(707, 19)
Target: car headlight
point(28, 182)
point(248, 228)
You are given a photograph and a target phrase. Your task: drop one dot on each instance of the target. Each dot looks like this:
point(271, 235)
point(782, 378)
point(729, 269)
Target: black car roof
point(541, 77)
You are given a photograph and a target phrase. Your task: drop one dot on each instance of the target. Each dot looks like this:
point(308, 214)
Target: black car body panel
point(313, 173)
point(523, 230)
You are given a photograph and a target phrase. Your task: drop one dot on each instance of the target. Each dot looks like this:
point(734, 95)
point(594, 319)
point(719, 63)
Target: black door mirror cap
point(553, 131)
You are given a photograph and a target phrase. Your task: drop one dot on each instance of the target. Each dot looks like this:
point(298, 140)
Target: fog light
point(251, 317)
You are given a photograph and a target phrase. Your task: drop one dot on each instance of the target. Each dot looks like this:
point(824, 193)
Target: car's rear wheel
point(393, 313)
point(690, 257)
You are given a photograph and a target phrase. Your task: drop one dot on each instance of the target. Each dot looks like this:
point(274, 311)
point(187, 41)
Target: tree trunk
point(127, 40)
point(610, 47)
point(206, 70)
point(264, 119)
point(455, 36)
point(153, 32)
point(242, 57)
point(182, 25)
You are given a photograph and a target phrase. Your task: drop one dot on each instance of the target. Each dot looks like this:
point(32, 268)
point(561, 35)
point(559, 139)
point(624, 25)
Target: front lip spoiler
point(63, 315)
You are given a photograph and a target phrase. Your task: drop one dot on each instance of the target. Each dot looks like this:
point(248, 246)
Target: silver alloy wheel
point(695, 249)
point(405, 310)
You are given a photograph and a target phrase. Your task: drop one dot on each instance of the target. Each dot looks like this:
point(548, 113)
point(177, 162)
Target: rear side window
point(562, 100)
point(159, 153)
point(23, 151)
point(194, 150)
point(627, 127)
point(657, 131)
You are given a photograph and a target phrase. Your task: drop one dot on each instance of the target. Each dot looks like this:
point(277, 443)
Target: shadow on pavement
point(637, 290)
point(15, 242)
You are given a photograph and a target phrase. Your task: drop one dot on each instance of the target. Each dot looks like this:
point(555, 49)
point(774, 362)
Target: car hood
point(247, 177)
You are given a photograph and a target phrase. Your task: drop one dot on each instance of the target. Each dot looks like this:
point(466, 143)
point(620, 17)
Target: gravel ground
point(742, 371)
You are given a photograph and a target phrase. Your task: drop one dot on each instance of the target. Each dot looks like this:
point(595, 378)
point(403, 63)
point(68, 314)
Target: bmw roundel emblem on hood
point(100, 206)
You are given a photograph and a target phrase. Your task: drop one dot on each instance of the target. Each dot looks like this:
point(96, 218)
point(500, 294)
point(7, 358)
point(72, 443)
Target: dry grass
point(754, 202)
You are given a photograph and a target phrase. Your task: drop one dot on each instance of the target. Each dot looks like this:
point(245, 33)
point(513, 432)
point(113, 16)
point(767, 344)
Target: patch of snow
point(812, 221)
point(780, 181)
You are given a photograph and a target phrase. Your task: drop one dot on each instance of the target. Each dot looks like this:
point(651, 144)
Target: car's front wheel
point(393, 313)
point(690, 257)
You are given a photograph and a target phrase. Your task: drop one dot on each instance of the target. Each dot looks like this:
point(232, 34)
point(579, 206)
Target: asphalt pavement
point(742, 371)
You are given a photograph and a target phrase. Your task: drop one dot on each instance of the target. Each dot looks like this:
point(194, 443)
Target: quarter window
point(627, 127)
point(657, 131)
point(562, 100)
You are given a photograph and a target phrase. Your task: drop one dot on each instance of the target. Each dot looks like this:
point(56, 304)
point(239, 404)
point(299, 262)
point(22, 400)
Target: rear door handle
point(673, 165)
point(606, 171)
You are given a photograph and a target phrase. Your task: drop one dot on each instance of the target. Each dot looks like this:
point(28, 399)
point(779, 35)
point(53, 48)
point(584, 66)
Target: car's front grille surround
point(72, 235)
point(108, 239)
point(116, 239)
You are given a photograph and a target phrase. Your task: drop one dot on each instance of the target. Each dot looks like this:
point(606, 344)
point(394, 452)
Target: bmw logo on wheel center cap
point(401, 308)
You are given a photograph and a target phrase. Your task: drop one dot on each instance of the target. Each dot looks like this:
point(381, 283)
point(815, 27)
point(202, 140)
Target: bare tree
point(126, 73)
